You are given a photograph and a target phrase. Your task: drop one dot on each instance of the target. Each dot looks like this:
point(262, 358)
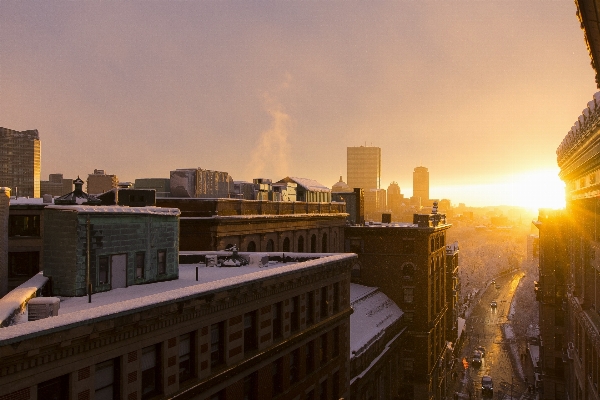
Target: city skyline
point(290, 86)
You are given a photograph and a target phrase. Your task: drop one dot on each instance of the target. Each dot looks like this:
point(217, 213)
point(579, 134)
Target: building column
point(4, 211)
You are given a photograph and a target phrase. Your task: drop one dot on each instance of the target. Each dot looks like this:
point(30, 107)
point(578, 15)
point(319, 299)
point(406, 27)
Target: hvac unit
point(42, 307)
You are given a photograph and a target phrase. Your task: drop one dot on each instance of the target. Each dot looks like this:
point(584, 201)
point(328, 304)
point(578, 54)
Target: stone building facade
point(408, 263)
point(280, 334)
point(127, 246)
point(218, 224)
point(4, 215)
point(25, 240)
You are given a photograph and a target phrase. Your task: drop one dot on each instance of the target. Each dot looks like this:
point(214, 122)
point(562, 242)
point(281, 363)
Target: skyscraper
point(364, 167)
point(20, 161)
point(421, 184)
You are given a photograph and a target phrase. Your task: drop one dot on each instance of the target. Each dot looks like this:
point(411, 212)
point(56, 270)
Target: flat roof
point(76, 311)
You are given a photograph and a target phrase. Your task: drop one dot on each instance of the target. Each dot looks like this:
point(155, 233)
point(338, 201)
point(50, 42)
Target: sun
point(537, 189)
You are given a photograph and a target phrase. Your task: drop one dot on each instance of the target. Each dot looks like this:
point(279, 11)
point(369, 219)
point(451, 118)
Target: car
point(493, 304)
point(497, 286)
point(481, 349)
point(476, 360)
point(487, 386)
point(493, 282)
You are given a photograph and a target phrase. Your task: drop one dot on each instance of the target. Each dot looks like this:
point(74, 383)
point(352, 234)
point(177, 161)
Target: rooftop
point(76, 311)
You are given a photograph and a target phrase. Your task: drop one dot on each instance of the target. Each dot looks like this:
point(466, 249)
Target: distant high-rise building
point(364, 167)
point(201, 183)
point(99, 182)
point(394, 197)
point(20, 161)
point(421, 184)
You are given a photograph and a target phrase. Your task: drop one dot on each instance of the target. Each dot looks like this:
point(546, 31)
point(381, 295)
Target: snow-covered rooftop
point(373, 313)
point(27, 201)
point(310, 184)
point(75, 311)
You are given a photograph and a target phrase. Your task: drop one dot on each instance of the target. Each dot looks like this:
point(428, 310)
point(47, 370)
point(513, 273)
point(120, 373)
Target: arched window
point(324, 243)
point(408, 271)
point(301, 244)
point(286, 244)
point(251, 246)
point(270, 245)
point(335, 249)
point(355, 271)
point(313, 244)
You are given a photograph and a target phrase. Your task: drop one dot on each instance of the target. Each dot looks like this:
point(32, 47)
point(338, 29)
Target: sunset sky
point(480, 92)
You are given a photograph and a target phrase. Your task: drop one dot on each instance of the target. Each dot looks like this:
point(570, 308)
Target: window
point(336, 297)
point(251, 247)
point(277, 320)
point(286, 244)
point(310, 395)
point(139, 265)
point(23, 225)
point(55, 389)
point(23, 264)
point(408, 317)
point(217, 344)
point(408, 246)
point(301, 244)
point(270, 245)
point(310, 308)
point(294, 363)
point(295, 314)
point(106, 380)
point(336, 341)
point(408, 295)
point(186, 357)
point(250, 335)
point(103, 270)
point(336, 385)
point(251, 387)
point(277, 375)
point(313, 244)
point(324, 302)
point(323, 349)
point(310, 356)
point(408, 272)
point(324, 243)
point(355, 273)
point(162, 262)
point(324, 390)
point(150, 371)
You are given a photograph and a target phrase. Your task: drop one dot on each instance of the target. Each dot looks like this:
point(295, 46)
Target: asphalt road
point(483, 328)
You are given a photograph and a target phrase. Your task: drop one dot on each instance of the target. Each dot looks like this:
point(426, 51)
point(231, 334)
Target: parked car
point(476, 360)
point(497, 286)
point(481, 349)
point(487, 386)
point(493, 304)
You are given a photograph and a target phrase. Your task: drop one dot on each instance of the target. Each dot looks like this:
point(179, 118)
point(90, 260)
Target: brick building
point(408, 263)
point(280, 332)
point(100, 182)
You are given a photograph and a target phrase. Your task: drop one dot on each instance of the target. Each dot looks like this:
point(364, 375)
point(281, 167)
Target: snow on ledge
point(16, 300)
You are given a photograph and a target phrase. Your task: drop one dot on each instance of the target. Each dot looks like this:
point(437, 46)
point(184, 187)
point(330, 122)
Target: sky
point(479, 92)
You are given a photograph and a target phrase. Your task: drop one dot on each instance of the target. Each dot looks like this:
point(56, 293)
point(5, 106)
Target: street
point(484, 328)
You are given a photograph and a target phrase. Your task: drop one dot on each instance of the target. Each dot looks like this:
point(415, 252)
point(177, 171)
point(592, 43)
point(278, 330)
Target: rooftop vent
point(42, 307)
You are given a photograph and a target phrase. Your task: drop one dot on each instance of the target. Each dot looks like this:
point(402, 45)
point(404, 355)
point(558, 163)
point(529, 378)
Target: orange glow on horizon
point(531, 189)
